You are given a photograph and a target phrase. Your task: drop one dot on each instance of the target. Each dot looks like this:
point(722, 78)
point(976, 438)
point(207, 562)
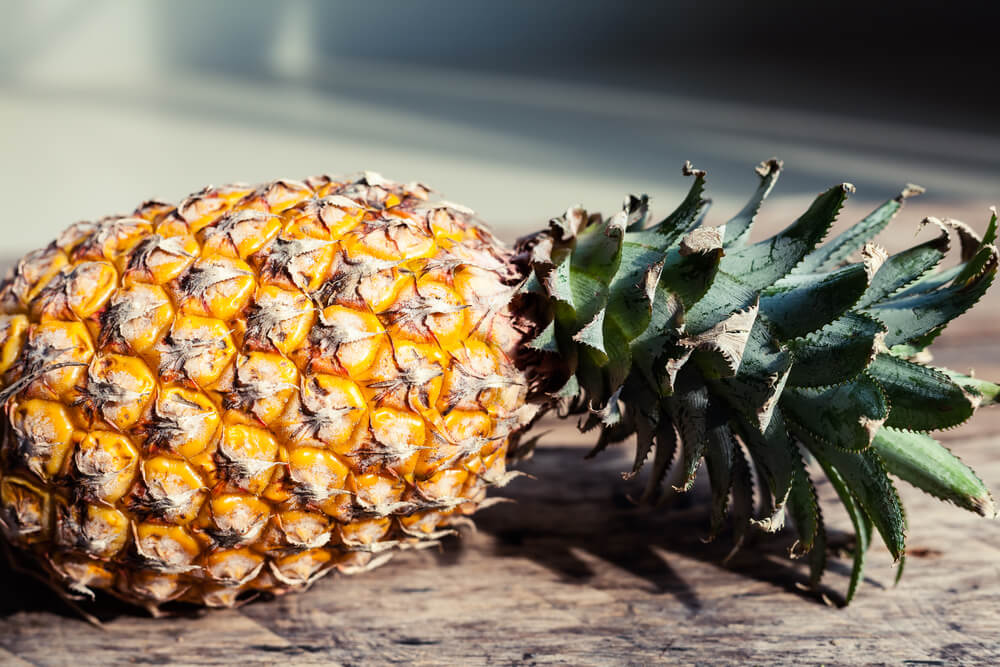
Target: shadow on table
point(575, 508)
point(26, 592)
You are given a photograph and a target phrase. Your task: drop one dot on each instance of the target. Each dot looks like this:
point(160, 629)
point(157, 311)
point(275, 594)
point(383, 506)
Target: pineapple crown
point(765, 356)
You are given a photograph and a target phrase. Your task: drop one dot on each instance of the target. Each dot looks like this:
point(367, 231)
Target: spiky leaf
point(762, 264)
point(836, 353)
point(908, 318)
point(800, 304)
point(846, 416)
point(720, 449)
point(922, 398)
point(833, 252)
point(866, 479)
point(738, 228)
point(904, 268)
point(926, 464)
point(862, 526)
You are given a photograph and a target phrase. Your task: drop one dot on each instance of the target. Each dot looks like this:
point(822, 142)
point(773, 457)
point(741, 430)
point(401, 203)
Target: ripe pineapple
point(243, 392)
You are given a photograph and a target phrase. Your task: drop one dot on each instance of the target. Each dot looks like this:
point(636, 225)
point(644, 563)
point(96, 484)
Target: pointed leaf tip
point(910, 190)
point(768, 167)
point(920, 460)
point(702, 240)
point(728, 339)
point(737, 230)
point(592, 334)
point(689, 170)
point(546, 341)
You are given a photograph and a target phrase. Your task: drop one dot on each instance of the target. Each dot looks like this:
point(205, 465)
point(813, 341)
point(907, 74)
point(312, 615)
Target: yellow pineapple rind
point(266, 384)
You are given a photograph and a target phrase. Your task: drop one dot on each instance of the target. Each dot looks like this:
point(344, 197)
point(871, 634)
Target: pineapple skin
point(245, 391)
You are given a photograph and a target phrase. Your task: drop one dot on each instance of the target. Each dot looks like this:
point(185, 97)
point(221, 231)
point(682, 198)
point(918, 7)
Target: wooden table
point(571, 572)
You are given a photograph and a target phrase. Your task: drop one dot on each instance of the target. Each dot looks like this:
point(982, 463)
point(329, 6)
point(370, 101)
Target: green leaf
point(689, 276)
point(753, 392)
point(762, 264)
point(592, 334)
point(598, 250)
point(837, 250)
point(922, 398)
point(546, 340)
point(804, 508)
point(719, 453)
point(649, 348)
point(590, 296)
point(725, 296)
point(904, 268)
point(836, 353)
point(631, 292)
point(742, 511)
point(910, 317)
point(800, 304)
point(738, 229)
point(866, 478)
point(558, 284)
point(644, 409)
point(690, 212)
point(926, 464)
point(663, 456)
point(776, 456)
point(817, 555)
point(983, 391)
point(846, 416)
point(689, 411)
point(930, 282)
point(532, 285)
point(862, 536)
point(616, 346)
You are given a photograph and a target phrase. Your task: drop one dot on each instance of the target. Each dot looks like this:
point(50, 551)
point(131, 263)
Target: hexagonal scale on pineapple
point(105, 464)
point(182, 421)
point(136, 319)
point(234, 519)
point(160, 259)
point(239, 234)
point(246, 457)
point(43, 434)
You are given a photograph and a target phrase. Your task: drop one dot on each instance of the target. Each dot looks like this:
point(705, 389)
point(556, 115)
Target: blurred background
point(516, 108)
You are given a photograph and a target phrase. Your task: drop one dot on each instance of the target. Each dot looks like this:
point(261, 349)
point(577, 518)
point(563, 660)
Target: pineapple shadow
point(577, 519)
point(25, 592)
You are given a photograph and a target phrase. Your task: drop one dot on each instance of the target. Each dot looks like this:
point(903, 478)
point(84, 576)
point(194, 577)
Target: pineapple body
point(253, 388)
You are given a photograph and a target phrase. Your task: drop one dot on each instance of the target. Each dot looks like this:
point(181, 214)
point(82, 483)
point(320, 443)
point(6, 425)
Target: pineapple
point(260, 385)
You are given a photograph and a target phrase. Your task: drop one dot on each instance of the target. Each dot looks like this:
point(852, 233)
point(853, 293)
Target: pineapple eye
point(43, 436)
point(106, 463)
point(13, 331)
point(118, 388)
point(234, 567)
point(25, 510)
point(98, 530)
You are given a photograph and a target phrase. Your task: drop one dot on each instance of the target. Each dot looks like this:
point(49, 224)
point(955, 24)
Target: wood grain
point(572, 573)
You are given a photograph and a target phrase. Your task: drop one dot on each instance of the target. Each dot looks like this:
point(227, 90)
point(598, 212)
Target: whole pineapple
point(260, 385)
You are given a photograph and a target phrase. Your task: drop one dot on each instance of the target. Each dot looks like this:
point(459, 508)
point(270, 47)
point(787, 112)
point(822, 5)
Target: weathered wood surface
point(572, 573)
